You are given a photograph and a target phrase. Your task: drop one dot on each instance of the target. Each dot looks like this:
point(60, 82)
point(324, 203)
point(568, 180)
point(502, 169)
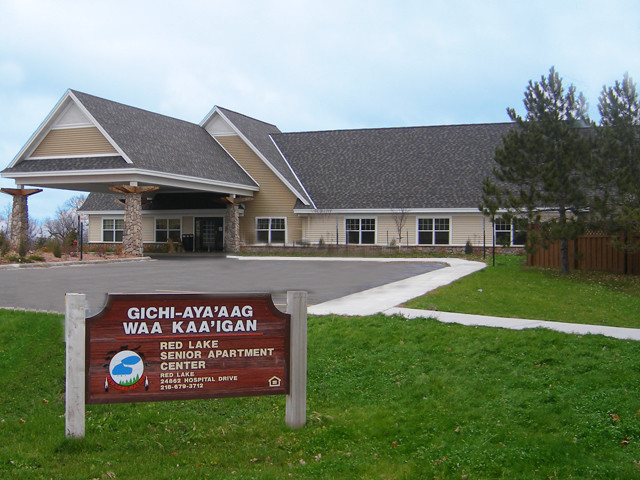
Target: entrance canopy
point(90, 144)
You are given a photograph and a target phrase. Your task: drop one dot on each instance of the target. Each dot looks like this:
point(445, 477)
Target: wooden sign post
point(149, 347)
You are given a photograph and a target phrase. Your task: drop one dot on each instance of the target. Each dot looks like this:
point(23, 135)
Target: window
point(112, 229)
point(361, 230)
point(433, 231)
point(508, 234)
point(271, 230)
point(167, 228)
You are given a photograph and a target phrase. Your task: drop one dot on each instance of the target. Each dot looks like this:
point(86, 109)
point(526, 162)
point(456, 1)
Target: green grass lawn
point(387, 399)
point(511, 289)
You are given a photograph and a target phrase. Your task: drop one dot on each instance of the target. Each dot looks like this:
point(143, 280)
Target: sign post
point(74, 332)
point(296, 403)
point(151, 347)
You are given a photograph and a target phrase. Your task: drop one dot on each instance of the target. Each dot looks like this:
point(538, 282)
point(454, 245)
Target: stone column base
point(132, 243)
point(19, 221)
point(232, 229)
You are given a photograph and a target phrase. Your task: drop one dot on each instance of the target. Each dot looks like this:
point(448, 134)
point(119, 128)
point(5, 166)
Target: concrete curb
point(14, 266)
point(353, 259)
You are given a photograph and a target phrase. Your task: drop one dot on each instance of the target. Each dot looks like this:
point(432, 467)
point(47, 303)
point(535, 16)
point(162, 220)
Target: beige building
point(233, 180)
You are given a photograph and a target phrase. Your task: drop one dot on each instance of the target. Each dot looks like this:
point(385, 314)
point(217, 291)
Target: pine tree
point(616, 171)
point(539, 172)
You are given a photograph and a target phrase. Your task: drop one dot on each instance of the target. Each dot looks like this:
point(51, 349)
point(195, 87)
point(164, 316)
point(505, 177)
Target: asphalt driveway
point(45, 288)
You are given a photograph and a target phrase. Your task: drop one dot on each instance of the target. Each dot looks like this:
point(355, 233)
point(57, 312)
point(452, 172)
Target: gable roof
point(390, 168)
point(437, 167)
point(146, 142)
point(258, 134)
point(165, 144)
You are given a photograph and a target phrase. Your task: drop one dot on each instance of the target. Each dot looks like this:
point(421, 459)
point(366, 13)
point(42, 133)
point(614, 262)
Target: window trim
point(360, 219)
point(113, 230)
point(167, 230)
point(433, 230)
point(512, 234)
point(270, 230)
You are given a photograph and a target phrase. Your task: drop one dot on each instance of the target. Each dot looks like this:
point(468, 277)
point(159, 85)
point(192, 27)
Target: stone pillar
point(19, 221)
point(232, 223)
point(132, 233)
point(232, 229)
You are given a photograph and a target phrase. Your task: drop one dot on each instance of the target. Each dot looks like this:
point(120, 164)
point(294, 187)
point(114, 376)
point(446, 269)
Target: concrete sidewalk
point(518, 323)
point(385, 299)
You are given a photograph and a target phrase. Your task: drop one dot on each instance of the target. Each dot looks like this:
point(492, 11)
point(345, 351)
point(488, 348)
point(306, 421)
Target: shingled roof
point(259, 134)
point(438, 167)
point(62, 164)
point(390, 168)
point(164, 144)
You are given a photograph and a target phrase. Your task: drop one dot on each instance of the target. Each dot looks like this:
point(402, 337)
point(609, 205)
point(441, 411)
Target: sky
point(303, 65)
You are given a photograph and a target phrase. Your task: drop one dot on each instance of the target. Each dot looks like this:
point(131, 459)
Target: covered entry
point(172, 167)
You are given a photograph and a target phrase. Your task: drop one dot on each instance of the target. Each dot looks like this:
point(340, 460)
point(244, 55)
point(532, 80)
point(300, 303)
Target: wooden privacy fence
point(589, 252)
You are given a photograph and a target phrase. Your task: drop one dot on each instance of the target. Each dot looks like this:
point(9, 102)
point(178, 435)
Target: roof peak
point(78, 94)
point(245, 116)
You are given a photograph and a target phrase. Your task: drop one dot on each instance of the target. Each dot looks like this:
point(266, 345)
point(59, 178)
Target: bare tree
point(35, 231)
point(66, 220)
point(5, 220)
point(400, 216)
point(325, 214)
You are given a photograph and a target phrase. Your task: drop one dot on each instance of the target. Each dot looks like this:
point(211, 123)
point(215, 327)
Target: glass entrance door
point(209, 234)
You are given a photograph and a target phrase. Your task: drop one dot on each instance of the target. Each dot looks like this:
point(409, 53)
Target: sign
point(149, 347)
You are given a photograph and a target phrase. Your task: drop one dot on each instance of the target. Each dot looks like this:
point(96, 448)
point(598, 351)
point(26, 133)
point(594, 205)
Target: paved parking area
point(44, 288)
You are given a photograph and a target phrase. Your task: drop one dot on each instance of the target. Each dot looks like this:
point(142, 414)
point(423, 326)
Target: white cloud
point(307, 65)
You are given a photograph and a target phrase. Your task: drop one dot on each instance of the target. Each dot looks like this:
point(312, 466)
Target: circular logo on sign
point(126, 368)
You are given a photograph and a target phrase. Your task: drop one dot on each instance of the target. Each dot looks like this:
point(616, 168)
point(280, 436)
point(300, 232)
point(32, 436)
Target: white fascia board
point(44, 127)
point(231, 156)
point(208, 116)
point(217, 212)
point(156, 213)
point(390, 211)
point(295, 175)
point(99, 127)
point(41, 129)
point(202, 125)
point(83, 155)
point(126, 175)
point(101, 212)
point(262, 157)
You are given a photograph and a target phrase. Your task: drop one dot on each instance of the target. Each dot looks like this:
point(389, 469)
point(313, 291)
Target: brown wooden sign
point(148, 347)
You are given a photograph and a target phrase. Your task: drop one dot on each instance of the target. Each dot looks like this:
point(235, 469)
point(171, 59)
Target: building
point(233, 180)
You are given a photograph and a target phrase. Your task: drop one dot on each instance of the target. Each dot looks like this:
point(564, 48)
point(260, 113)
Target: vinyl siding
point(469, 228)
point(148, 229)
point(388, 230)
point(462, 228)
point(274, 198)
point(316, 227)
point(95, 228)
point(73, 141)
point(324, 226)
